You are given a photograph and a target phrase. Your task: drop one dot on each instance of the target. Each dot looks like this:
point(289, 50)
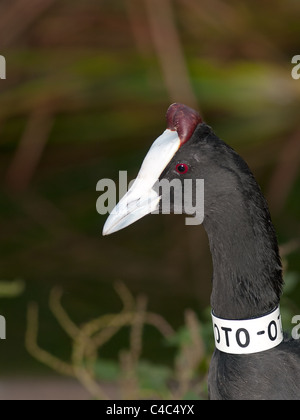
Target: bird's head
point(163, 161)
point(187, 150)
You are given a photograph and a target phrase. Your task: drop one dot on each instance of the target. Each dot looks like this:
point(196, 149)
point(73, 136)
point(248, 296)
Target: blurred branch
point(138, 323)
point(88, 339)
point(160, 324)
point(285, 174)
point(60, 314)
point(32, 347)
point(83, 368)
point(129, 381)
point(18, 16)
point(29, 151)
point(169, 51)
point(125, 296)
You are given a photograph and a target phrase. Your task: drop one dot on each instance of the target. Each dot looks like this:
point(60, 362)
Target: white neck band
point(250, 335)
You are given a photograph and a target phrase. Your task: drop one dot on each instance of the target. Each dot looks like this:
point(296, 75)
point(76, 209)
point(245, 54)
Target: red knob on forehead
point(184, 120)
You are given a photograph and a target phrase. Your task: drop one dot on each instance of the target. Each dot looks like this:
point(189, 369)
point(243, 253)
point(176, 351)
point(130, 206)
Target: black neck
point(247, 278)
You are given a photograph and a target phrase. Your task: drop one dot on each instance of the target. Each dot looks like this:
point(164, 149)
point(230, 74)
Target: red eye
point(182, 168)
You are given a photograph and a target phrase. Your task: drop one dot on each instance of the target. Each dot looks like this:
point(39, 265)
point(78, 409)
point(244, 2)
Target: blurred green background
point(88, 85)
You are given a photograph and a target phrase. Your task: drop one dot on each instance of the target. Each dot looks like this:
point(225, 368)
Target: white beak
point(141, 199)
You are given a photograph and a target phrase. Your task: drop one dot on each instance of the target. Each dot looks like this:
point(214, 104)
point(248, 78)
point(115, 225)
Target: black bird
point(253, 360)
